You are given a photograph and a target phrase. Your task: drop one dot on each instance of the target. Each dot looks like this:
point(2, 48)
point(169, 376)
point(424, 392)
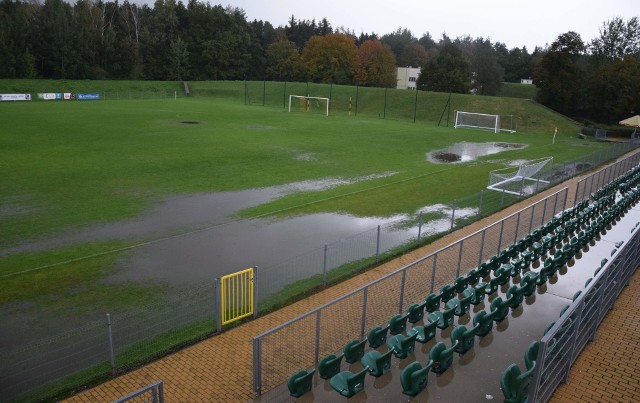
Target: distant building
point(407, 77)
point(526, 81)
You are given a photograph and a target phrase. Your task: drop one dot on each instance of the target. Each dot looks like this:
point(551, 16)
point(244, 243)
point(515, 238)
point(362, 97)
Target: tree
point(398, 40)
point(614, 91)
point(450, 71)
point(375, 65)
point(559, 75)
point(617, 39)
point(413, 54)
point(282, 59)
point(329, 58)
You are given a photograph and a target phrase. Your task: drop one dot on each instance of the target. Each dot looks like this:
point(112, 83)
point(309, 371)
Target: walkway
point(220, 368)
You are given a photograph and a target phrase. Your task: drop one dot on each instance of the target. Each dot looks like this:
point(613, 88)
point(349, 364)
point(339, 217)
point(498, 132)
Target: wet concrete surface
point(465, 151)
point(475, 376)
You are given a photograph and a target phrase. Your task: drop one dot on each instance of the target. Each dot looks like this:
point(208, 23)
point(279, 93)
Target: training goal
point(517, 180)
point(495, 123)
point(309, 104)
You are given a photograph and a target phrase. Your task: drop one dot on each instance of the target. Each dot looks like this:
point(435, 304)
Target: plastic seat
point(377, 336)
point(473, 276)
point(397, 324)
point(432, 302)
point(443, 319)
point(300, 382)
point(424, 333)
point(377, 363)
point(528, 283)
point(519, 265)
point(402, 346)
point(460, 306)
point(460, 284)
point(492, 286)
point(483, 269)
point(527, 256)
point(514, 382)
point(348, 383)
point(477, 293)
point(515, 295)
point(482, 323)
point(463, 338)
point(503, 274)
point(414, 378)
point(531, 354)
point(354, 350)
point(446, 292)
point(415, 312)
point(499, 309)
point(329, 366)
point(441, 356)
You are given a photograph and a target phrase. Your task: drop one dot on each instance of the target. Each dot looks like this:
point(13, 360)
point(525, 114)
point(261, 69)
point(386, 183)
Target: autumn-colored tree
point(414, 55)
point(281, 59)
point(375, 65)
point(329, 58)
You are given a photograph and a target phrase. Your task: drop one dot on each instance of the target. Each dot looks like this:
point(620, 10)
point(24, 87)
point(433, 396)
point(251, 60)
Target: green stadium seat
point(402, 346)
point(354, 350)
point(482, 323)
point(463, 338)
point(473, 276)
point(484, 269)
point(515, 295)
point(531, 354)
point(376, 363)
point(329, 366)
point(414, 378)
point(447, 292)
point(415, 312)
point(443, 319)
point(300, 382)
point(503, 274)
point(492, 286)
point(527, 256)
point(528, 283)
point(441, 356)
point(477, 293)
point(460, 284)
point(348, 383)
point(499, 309)
point(432, 302)
point(460, 306)
point(397, 324)
point(514, 384)
point(377, 336)
point(424, 333)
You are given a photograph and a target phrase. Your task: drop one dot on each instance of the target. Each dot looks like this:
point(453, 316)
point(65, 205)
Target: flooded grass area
point(466, 151)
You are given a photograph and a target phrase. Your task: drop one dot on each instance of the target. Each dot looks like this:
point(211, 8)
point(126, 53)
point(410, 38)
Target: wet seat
point(402, 346)
point(531, 354)
point(377, 336)
point(415, 312)
point(515, 295)
point(514, 382)
point(482, 323)
point(441, 356)
point(300, 382)
point(414, 378)
point(376, 363)
point(432, 302)
point(460, 306)
point(329, 366)
point(424, 333)
point(463, 339)
point(447, 292)
point(348, 383)
point(499, 309)
point(443, 319)
point(354, 350)
point(398, 324)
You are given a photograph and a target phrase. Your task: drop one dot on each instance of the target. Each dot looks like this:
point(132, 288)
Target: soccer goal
point(517, 180)
point(309, 104)
point(495, 123)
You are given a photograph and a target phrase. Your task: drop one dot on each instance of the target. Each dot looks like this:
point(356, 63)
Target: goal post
point(310, 103)
point(512, 179)
point(495, 123)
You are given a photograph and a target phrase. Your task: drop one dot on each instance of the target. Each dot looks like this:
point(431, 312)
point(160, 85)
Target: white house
point(407, 77)
point(526, 81)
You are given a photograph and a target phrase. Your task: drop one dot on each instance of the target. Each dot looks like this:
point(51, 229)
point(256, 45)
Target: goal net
point(519, 180)
point(495, 123)
point(309, 104)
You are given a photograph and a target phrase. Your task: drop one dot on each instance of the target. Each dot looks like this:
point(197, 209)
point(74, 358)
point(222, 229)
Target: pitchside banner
point(49, 96)
point(87, 97)
point(15, 97)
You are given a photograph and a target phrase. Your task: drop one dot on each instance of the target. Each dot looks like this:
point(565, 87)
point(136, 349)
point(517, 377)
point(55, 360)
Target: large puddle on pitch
point(465, 152)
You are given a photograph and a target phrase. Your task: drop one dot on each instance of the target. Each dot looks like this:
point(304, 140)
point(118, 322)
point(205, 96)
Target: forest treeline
point(172, 40)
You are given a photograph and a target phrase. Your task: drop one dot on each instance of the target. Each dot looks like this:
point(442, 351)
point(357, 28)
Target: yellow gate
point(236, 296)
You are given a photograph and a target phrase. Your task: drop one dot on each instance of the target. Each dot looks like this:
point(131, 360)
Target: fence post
point(460, 257)
point(317, 352)
point(515, 235)
point(453, 213)
point(500, 238)
point(216, 291)
point(404, 279)
point(257, 366)
point(419, 225)
point(481, 255)
point(255, 292)
point(433, 271)
point(502, 199)
point(324, 266)
point(110, 338)
point(378, 245)
point(364, 313)
point(480, 204)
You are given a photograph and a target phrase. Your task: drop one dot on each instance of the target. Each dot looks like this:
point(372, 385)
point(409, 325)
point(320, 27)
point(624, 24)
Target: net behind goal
point(495, 123)
point(519, 180)
point(309, 104)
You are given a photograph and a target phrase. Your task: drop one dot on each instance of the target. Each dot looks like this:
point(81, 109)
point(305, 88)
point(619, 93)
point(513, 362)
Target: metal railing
point(597, 180)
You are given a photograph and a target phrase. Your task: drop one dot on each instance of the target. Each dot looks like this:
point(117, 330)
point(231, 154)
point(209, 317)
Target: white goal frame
point(308, 99)
point(525, 172)
point(494, 121)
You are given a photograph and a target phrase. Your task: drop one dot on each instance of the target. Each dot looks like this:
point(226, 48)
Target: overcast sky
point(513, 22)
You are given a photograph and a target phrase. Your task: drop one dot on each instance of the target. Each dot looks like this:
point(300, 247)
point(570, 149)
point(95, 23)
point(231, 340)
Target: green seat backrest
point(300, 382)
point(329, 366)
point(354, 350)
point(414, 378)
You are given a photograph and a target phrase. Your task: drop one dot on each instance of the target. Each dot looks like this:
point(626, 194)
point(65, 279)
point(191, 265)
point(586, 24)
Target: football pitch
point(70, 165)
